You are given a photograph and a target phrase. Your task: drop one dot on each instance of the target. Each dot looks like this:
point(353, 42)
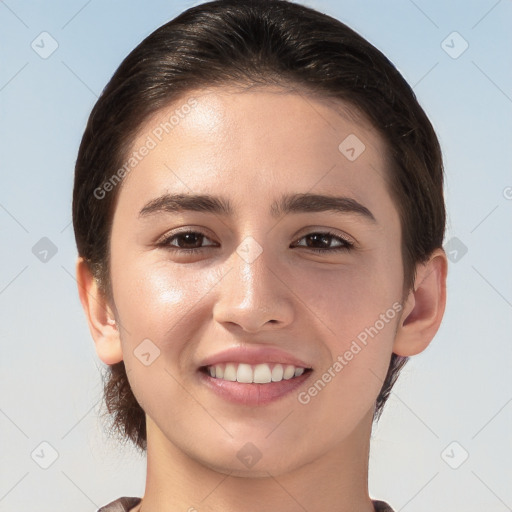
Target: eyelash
point(347, 246)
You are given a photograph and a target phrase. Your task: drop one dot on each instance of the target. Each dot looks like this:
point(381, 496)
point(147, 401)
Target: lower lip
point(253, 394)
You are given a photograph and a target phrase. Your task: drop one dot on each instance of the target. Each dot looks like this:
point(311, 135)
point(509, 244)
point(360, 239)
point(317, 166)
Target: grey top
point(126, 504)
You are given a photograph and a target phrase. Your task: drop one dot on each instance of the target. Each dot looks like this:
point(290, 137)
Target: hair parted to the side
point(245, 43)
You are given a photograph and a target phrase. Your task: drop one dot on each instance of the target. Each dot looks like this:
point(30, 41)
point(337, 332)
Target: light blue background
point(459, 389)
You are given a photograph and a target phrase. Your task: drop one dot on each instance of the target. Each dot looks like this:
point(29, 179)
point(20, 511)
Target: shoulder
point(120, 505)
point(125, 504)
point(381, 506)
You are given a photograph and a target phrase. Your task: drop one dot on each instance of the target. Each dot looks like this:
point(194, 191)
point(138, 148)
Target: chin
point(262, 469)
point(258, 459)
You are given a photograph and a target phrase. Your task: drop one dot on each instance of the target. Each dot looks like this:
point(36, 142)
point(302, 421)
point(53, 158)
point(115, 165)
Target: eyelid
point(308, 230)
point(347, 242)
point(183, 231)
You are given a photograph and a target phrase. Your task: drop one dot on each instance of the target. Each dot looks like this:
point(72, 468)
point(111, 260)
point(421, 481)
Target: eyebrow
point(291, 203)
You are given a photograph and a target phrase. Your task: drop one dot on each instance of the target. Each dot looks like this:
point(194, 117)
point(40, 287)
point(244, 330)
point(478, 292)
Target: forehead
point(258, 143)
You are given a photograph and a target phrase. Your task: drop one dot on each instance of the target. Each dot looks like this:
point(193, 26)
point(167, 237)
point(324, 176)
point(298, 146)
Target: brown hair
point(245, 43)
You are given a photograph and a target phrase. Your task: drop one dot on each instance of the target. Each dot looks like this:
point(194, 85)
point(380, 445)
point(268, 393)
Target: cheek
point(156, 300)
point(360, 352)
point(361, 308)
point(351, 299)
point(143, 294)
point(153, 304)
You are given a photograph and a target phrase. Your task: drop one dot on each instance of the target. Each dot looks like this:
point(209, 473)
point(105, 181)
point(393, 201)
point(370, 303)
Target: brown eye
point(187, 241)
point(321, 242)
point(192, 242)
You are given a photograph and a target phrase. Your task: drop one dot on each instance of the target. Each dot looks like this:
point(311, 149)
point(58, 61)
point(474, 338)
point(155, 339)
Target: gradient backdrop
point(444, 440)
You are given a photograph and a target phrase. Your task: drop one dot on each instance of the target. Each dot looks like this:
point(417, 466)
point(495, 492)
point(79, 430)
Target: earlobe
point(424, 307)
point(99, 315)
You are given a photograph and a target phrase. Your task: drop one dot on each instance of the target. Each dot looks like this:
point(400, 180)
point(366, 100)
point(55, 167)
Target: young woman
point(258, 209)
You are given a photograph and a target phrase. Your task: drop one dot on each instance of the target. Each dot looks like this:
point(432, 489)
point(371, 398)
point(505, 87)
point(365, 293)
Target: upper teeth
point(260, 373)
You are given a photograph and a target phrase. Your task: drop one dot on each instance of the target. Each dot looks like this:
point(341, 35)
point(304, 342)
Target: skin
point(251, 147)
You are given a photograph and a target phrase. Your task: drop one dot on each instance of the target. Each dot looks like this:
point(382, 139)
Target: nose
point(254, 294)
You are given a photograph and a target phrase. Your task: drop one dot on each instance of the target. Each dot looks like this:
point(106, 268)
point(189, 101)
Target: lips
point(253, 376)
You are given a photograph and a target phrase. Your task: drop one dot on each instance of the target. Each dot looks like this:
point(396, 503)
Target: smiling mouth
point(262, 373)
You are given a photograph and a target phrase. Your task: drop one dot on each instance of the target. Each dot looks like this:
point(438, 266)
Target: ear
point(424, 307)
point(99, 315)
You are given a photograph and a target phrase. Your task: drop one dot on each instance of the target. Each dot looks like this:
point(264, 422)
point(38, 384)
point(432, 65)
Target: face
point(293, 296)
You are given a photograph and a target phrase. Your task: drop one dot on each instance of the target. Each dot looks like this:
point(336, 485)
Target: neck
point(337, 480)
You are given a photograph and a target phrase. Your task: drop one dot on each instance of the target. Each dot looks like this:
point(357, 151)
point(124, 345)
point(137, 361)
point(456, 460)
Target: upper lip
point(253, 355)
